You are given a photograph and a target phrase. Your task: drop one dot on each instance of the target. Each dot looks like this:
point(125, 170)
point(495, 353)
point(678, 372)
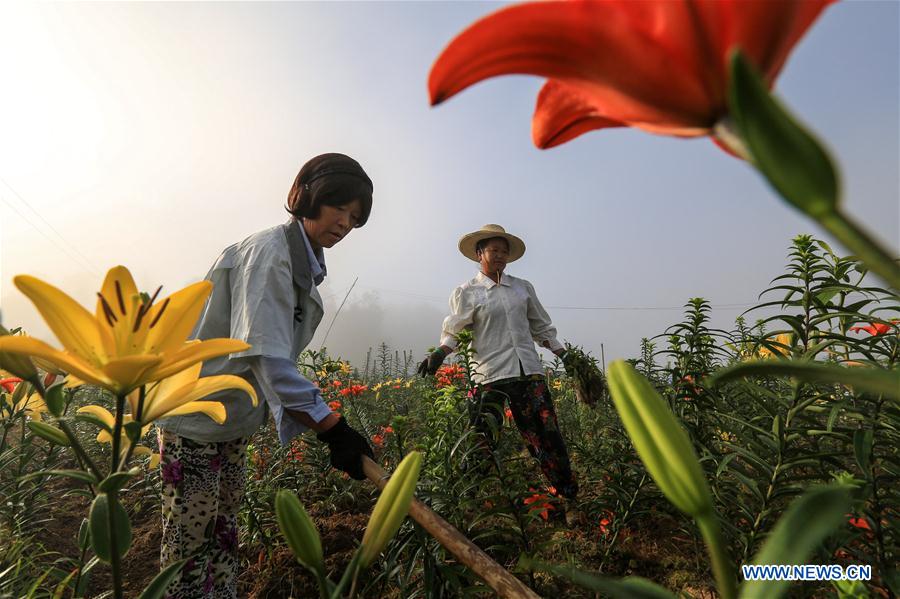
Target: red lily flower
point(334, 405)
point(539, 504)
point(860, 523)
point(876, 328)
point(9, 384)
point(658, 65)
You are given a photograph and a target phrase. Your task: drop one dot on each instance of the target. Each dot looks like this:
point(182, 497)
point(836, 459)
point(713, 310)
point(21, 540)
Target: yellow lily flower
point(128, 342)
point(109, 420)
point(784, 339)
point(180, 394)
point(33, 405)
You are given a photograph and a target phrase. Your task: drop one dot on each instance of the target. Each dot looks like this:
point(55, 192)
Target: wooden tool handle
point(496, 576)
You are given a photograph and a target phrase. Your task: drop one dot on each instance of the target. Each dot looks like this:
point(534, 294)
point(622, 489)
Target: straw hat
point(468, 242)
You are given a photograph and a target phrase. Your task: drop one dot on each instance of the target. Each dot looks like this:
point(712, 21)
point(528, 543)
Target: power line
point(80, 259)
point(588, 308)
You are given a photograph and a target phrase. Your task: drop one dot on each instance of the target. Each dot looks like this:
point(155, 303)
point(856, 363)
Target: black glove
point(347, 448)
point(568, 362)
point(431, 364)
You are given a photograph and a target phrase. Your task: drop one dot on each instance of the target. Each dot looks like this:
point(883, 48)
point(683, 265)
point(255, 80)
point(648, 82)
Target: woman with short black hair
point(264, 293)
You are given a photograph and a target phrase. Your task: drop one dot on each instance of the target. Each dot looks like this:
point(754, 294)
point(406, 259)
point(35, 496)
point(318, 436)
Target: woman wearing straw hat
point(506, 320)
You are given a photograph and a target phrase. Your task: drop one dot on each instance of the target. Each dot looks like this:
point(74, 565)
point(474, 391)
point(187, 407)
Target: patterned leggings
point(203, 485)
point(532, 410)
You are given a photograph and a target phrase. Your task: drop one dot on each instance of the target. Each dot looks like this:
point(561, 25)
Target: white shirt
point(506, 321)
point(256, 299)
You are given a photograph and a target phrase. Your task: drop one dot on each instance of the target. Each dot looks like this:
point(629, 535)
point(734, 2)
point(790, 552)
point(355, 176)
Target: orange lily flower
point(876, 328)
point(657, 65)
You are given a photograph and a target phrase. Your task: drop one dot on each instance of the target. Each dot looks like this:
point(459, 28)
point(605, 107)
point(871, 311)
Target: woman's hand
point(347, 448)
point(431, 364)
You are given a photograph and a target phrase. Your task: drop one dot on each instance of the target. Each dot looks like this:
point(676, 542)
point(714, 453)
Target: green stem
point(349, 574)
point(721, 564)
point(117, 434)
point(115, 563)
point(79, 450)
point(871, 254)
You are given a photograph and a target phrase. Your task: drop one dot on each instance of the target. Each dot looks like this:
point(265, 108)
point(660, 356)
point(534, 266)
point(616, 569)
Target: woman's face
point(494, 256)
point(332, 224)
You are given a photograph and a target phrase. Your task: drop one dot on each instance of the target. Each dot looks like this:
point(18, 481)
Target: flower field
point(765, 441)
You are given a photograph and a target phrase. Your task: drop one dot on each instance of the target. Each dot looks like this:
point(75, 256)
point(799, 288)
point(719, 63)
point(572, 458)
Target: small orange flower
point(388, 429)
point(874, 329)
point(335, 405)
point(9, 384)
point(378, 440)
point(860, 523)
point(539, 503)
point(508, 413)
point(336, 384)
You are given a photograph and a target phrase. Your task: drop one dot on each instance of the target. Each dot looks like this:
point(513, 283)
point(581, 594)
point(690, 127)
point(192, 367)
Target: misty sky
point(154, 135)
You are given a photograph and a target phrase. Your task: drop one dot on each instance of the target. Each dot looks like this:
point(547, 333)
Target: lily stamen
point(107, 310)
point(145, 307)
point(121, 300)
point(160, 313)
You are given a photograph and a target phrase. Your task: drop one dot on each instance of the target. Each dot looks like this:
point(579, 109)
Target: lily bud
point(299, 531)
point(661, 442)
point(19, 365)
point(391, 508)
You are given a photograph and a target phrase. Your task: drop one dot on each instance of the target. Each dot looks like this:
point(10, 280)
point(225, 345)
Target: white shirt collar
point(488, 282)
point(317, 268)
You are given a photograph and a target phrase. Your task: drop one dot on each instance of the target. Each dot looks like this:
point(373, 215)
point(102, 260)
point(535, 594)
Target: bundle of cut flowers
point(588, 379)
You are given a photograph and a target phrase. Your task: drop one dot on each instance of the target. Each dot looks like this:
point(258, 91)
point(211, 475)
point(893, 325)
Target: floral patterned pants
point(203, 485)
point(532, 411)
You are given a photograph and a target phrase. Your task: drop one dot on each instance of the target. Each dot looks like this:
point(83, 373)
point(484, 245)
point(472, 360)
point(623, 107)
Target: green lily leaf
point(117, 480)
point(48, 433)
point(632, 587)
point(862, 449)
point(55, 400)
point(100, 531)
point(157, 587)
point(76, 474)
point(807, 522)
point(788, 156)
point(869, 380)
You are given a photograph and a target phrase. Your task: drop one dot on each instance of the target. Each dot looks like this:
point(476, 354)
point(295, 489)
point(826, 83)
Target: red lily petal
point(765, 31)
point(563, 113)
point(638, 68)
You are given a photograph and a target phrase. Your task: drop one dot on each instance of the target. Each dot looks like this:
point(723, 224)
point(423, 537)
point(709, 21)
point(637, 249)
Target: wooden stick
point(470, 555)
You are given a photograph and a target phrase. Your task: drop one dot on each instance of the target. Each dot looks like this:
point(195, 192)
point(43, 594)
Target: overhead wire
point(552, 307)
point(74, 254)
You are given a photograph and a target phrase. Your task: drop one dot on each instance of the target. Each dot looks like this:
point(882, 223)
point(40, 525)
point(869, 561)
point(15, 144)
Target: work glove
point(431, 364)
point(347, 448)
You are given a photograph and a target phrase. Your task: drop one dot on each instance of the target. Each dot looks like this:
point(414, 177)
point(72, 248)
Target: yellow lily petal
point(130, 371)
point(154, 461)
point(72, 364)
point(213, 409)
point(127, 288)
point(165, 404)
point(122, 301)
point(100, 412)
point(141, 450)
point(191, 353)
point(182, 309)
point(74, 326)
